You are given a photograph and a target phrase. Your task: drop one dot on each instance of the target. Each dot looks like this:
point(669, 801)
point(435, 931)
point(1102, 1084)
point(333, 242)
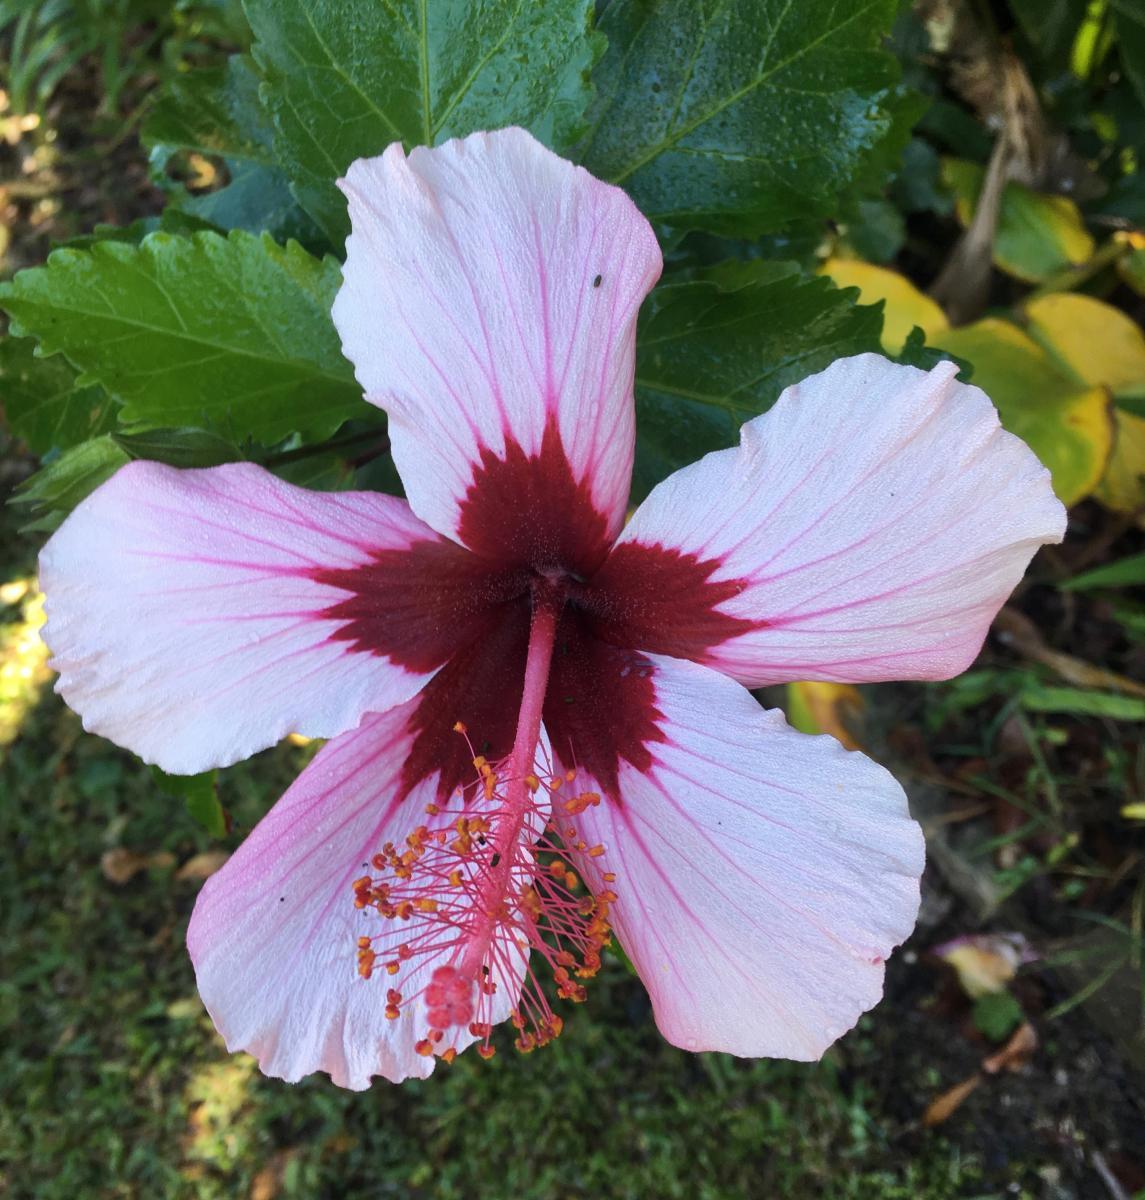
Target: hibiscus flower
point(540, 729)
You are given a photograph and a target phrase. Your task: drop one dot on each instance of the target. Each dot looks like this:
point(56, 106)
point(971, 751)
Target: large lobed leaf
point(711, 355)
point(345, 79)
point(740, 115)
point(230, 334)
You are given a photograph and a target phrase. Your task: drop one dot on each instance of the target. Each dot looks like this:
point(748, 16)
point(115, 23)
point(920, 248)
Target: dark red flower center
point(529, 524)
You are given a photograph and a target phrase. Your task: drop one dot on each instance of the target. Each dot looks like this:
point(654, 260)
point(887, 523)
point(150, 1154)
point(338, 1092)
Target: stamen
point(483, 888)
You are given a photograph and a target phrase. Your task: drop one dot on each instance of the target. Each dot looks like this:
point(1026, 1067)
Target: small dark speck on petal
point(597, 281)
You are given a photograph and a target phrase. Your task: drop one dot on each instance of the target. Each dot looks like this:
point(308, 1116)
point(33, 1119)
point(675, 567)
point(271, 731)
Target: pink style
point(541, 734)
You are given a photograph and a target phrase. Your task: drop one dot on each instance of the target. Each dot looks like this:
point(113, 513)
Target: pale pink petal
point(762, 876)
point(198, 616)
point(868, 527)
point(274, 933)
point(489, 304)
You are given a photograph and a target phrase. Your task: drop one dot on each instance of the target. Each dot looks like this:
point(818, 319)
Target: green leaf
point(216, 111)
point(344, 79)
point(917, 187)
point(739, 117)
point(202, 797)
point(43, 404)
point(231, 334)
point(1038, 235)
point(57, 488)
point(997, 1015)
point(710, 357)
point(873, 229)
point(1128, 572)
point(179, 447)
point(1040, 698)
point(213, 110)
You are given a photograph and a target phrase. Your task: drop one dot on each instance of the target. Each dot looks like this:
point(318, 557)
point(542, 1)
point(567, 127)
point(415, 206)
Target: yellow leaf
point(1095, 342)
point(1100, 346)
point(1037, 235)
point(905, 307)
point(1068, 425)
point(816, 707)
point(1123, 486)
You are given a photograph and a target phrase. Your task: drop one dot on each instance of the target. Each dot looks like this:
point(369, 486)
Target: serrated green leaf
point(739, 117)
point(217, 111)
point(344, 79)
point(171, 220)
point(58, 487)
point(42, 402)
point(710, 358)
point(232, 334)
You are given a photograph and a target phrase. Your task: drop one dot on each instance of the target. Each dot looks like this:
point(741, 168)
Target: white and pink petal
point(196, 617)
point(762, 876)
point(489, 305)
point(868, 527)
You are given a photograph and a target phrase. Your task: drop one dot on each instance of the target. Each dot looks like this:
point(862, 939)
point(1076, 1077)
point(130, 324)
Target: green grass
point(116, 1085)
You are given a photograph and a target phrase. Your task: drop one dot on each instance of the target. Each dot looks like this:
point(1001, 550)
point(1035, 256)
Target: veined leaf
point(43, 403)
point(229, 334)
point(710, 357)
point(741, 116)
point(345, 79)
